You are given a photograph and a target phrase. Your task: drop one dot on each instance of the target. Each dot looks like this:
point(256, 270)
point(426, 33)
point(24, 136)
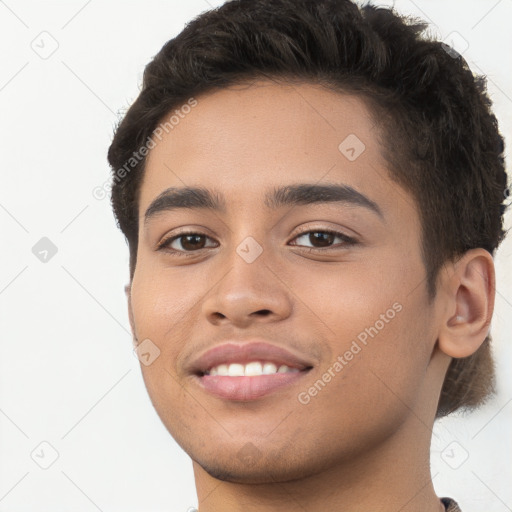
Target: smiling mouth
point(248, 382)
point(248, 370)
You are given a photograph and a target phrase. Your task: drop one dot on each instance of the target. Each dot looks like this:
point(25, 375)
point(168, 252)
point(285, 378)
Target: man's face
point(272, 273)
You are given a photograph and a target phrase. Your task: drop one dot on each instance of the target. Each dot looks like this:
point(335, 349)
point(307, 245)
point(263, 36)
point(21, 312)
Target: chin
point(251, 467)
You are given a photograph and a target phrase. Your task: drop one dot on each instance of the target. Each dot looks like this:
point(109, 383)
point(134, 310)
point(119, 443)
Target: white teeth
point(254, 368)
point(269, 368)
point(222, 369)
point(236, 370)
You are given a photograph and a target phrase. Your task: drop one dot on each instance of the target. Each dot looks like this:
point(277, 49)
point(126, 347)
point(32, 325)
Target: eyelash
point(164, 245)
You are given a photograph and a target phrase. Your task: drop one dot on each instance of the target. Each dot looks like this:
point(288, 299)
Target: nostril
point(264, 312)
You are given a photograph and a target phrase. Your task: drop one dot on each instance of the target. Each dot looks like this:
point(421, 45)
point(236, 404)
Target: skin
point(362, 443)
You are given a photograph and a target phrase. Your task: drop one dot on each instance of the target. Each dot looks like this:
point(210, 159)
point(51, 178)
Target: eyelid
point(322, 229)
point(167, 240)
point(347, 240)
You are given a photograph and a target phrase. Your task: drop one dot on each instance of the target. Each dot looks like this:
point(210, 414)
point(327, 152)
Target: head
point(258, 95)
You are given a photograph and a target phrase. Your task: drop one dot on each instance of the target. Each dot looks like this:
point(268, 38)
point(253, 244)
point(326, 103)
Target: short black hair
point(439, 135)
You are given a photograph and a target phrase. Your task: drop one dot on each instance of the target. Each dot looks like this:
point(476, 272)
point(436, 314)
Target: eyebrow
point(290, 195)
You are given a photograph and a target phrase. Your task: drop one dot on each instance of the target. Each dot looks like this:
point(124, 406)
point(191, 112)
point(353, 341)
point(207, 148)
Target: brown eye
point(321, 238)
point(324, 239)
point(191, 242)
point(185, 242)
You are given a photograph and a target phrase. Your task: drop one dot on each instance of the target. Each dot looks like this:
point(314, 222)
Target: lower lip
point(247, 388)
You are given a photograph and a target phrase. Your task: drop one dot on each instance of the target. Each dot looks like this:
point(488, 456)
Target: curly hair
point(439, 135)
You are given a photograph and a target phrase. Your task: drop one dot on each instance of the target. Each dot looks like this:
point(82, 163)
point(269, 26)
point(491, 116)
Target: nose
point(248, 292)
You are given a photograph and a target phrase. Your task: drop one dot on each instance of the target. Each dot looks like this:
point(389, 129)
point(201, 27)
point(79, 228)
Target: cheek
point(378, 366)
point(158, 307)
point(375, 314)
point(393, 344)
point(162, 307)
point(348, 298)
point(158, 301)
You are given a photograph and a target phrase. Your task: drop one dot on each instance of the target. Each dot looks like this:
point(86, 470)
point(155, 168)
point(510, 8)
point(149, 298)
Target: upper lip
point(254, 350)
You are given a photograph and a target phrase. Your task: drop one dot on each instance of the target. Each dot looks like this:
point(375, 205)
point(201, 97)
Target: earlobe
point(470, 293)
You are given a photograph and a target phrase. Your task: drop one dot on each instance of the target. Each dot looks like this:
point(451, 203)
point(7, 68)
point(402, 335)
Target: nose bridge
point(248, 268)
point(248, 244)
point(249, 285)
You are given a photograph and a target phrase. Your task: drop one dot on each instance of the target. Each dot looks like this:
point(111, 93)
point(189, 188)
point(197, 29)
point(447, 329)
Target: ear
point(469, 288)
point(128, 292)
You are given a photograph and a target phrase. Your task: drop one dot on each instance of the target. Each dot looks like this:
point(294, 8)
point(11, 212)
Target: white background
point(67, 373)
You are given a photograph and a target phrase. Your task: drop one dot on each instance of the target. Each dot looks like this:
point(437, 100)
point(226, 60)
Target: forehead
point(246, 139)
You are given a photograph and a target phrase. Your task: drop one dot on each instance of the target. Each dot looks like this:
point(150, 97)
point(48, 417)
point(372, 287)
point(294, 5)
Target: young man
point(312, 194)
